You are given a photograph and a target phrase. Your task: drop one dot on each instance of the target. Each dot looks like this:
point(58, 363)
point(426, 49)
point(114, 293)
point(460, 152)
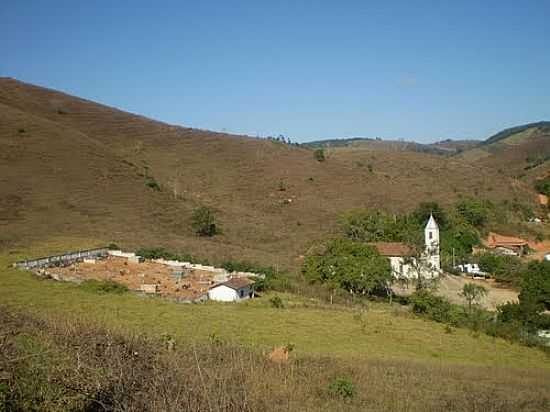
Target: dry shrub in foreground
point(59, 366)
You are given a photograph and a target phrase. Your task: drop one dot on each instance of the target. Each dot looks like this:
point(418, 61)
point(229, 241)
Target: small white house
point(234, 290)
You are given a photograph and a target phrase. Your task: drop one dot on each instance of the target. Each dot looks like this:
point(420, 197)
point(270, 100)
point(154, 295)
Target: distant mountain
point(445, 147)
point(521, 151)
point(515, 130)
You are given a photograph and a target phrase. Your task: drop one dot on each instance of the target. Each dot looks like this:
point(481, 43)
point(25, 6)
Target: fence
point(64, 258)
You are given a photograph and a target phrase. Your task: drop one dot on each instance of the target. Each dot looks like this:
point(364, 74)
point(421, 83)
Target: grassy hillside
point(522, 151)
point(74, 168)
point(378, 144)
point(49, 328)
point(65, 365)
point(506, 133)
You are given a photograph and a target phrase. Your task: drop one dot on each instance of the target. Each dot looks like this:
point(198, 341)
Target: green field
point(381, 332)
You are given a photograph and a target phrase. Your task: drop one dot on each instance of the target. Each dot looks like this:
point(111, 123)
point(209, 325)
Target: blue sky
point(422, 70)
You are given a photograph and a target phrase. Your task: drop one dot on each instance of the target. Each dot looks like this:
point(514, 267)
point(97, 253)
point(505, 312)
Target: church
point(404, 264)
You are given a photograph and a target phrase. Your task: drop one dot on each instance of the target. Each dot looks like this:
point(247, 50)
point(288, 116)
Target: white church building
point(404, 264)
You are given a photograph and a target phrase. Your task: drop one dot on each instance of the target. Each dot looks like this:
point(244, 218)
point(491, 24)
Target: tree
point(422, 213)
point(417, 259)
point(474, 211)
point(353, 266)
point(473, 294)
point(502, 268)
point(535, 286)
point(204, 222)
point(377, 226)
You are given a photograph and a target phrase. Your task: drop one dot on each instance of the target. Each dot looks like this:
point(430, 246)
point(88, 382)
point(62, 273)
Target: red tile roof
point(392, 248)
point(496, 240)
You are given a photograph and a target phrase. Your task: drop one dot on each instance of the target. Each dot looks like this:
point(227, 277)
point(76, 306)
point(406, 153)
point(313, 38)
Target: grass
point(66, 365)
point(315, 328)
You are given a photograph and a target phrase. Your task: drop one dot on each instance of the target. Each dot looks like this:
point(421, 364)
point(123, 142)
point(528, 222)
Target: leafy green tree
point(535, 286)
point(474, 211)
point(377, 226)
point(543, 186)
point(422, 213)
point(503, 268)
point(458, 239)
point(354, 266)
point(534, 299)
point(473, 294)
point(203, 222)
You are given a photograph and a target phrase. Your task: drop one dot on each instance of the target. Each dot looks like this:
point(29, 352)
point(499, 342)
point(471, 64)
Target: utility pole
point(454, 263)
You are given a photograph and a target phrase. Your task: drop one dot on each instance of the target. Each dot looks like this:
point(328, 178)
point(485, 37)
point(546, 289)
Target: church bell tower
point(431, 236)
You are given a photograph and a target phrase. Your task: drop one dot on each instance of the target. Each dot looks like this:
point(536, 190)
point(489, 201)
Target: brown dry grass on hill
point(524, 154)
point(57, 365)
point(73, 167)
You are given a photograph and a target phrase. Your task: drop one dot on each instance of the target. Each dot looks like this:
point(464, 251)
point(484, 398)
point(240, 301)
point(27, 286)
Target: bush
point(535, 285)
point(204, 222)
point(502, 268)
point(319, 155)
point(152, 183)
point(104, 287)
point(113, 246)
point(161, 253)
point(276, 302)
point(341, 387)
point(271, 280)
point(432, 306)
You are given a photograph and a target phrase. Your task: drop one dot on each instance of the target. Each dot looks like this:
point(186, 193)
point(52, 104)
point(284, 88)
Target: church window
point(431, 235)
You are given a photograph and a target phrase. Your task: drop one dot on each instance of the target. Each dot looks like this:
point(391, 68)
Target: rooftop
point(496, 240)
point(392, 248)
point(236, 283)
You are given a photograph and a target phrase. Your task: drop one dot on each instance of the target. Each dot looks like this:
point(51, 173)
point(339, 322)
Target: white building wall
point(224, 293)
point(400, 269)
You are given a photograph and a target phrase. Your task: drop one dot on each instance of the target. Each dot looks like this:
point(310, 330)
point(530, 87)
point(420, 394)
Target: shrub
point(113, 246)
point(161, 253)
point(271, 280)
point(319, 155)
point(473, 294)
point(152, 183)
point(502, 268)
point(203, 222)
point(21, 131)
point(341, 387)
point(434, 307)
point(543, 186)
point(103, 287)
point(276, 302)
point(535, 285)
